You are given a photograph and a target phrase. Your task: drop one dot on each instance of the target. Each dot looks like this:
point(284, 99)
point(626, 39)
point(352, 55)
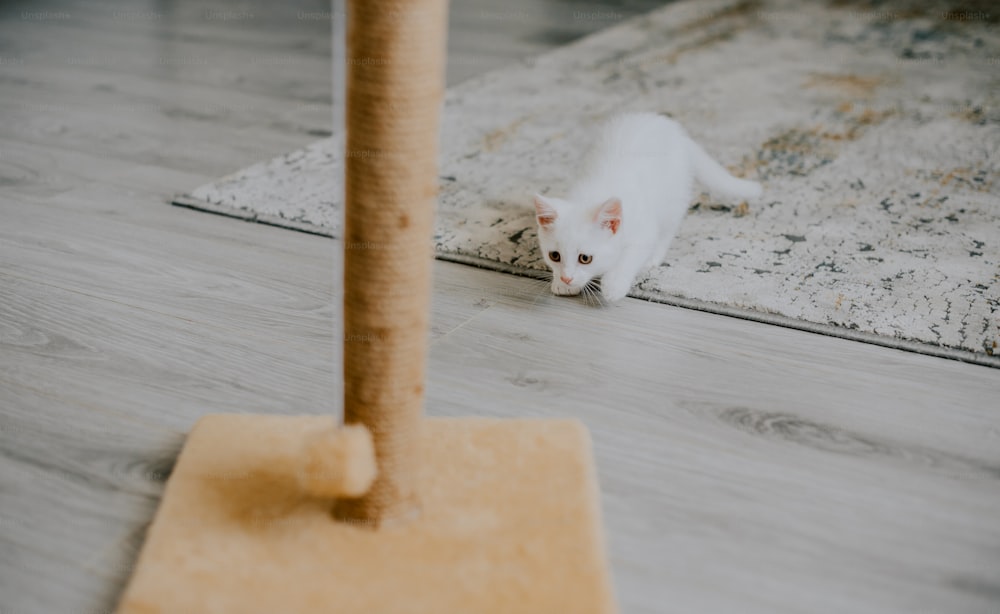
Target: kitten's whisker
point(541, 285)
point(592, 290)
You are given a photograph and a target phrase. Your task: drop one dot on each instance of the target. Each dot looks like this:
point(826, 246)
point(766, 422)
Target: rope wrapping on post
point(395, 85)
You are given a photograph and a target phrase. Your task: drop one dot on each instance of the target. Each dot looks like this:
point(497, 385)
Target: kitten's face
point(578, 243)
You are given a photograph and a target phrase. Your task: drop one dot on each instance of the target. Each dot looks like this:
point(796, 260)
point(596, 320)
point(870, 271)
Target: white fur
point(648, 163)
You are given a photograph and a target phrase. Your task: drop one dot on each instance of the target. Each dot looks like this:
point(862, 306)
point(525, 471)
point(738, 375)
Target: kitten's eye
point(554, 256)
point(585, 259)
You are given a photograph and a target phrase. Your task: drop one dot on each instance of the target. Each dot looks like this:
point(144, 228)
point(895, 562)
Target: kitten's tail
point(717, 179)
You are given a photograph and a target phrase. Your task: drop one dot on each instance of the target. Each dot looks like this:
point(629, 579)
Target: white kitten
point(621, 216)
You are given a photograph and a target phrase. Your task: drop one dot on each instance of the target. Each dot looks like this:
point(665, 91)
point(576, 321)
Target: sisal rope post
point(395, 85)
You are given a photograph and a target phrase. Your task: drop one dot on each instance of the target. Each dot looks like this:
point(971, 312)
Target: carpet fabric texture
point(510, 522)
point(875, 132)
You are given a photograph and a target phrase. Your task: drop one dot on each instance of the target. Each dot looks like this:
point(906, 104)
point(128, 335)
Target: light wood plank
point(763, 457)
point(494, 364)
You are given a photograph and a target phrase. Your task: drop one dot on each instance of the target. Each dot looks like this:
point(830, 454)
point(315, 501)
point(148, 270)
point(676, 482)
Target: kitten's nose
point(566, 280)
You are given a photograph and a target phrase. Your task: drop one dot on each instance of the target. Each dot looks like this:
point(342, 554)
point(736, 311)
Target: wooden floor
point(744, 468)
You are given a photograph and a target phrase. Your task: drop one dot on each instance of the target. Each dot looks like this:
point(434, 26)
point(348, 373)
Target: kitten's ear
point(609, 215)
point(545, 213)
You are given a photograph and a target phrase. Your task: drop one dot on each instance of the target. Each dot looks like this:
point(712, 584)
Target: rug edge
point(829, 330)
point(190, 202)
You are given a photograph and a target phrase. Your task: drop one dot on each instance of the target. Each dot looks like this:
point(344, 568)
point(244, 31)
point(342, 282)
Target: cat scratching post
point(390, 512)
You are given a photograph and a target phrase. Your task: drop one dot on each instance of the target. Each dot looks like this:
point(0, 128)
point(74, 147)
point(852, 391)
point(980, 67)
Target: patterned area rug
point(876, 134)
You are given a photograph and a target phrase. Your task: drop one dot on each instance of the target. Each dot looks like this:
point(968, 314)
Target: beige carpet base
point(510, 522)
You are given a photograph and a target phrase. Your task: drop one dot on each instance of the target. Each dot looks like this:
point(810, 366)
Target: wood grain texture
point(789, 477)
point(744, 468)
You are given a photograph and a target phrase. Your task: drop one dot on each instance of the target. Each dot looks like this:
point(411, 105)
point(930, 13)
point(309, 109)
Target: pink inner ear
point(544, 212)
point(610, 215)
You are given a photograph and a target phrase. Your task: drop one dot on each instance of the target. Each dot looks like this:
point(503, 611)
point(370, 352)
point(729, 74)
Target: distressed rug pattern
point(876, 134)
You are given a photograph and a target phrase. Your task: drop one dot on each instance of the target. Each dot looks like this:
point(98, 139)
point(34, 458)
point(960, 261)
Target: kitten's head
point(578, 242)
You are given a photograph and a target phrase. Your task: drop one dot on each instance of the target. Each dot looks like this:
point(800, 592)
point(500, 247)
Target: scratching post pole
point(394, 89)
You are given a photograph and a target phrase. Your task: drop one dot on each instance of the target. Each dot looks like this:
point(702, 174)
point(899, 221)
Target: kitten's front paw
point(614, 287)
point(558, 287)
